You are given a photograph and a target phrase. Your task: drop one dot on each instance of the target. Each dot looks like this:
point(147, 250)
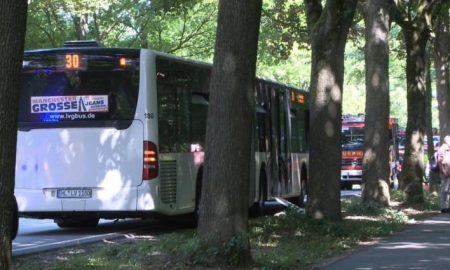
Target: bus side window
point(199, 112)
point(182, 112)
point(299, 144)
point(167, 118)
point(261, 116)
point(184, 116)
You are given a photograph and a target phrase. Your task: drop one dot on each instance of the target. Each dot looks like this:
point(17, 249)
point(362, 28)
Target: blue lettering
point(35, 108)
point(56, 106)
point(95, 102)
point(81, 105)
point(66, 105)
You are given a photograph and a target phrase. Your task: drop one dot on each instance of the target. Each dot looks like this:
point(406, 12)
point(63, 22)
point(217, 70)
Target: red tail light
point(150, 170)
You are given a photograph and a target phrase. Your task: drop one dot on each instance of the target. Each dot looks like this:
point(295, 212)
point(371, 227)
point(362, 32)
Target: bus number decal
point(149, 115)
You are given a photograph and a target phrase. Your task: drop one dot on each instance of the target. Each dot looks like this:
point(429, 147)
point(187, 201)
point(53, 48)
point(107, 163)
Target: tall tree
point(224, 200)
point(12, 29)
point(328, 27)
point(376, 133)
point(414, 17)
point(441, 64)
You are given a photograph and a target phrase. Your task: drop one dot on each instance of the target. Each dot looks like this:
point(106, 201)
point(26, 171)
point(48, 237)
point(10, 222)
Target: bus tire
point(346, 186)
point(262, 194)
point(300, 199)
point(302, 196)
point(198, 196)
point(77, 223)
point(15, 220)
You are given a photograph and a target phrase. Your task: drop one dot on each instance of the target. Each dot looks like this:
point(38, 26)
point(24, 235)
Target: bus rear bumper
point(89, 214)
point(98, 200)
point(354, 176)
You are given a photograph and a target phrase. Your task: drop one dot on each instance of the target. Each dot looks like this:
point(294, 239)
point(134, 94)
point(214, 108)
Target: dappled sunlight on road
point(413, 245)
point(425, 245)
point(441, 222)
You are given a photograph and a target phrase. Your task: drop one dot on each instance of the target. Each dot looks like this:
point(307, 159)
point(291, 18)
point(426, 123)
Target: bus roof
point(93, 50)
point(209, 66)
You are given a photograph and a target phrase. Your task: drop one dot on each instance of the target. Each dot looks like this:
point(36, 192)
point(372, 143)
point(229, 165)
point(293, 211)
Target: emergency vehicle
point(353, 150)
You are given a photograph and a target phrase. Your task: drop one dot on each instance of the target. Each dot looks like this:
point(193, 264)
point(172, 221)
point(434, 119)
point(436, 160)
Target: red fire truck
point(353, 150)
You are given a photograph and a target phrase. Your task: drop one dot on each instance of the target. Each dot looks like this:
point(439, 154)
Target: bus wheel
point(198, 197)
point(346, 186)
point(15, 220)
point(302, 196)
point(300, 199)
point(262, 197)
point(77, 223)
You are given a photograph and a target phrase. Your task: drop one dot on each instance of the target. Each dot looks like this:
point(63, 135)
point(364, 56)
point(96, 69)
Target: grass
point(286, 241)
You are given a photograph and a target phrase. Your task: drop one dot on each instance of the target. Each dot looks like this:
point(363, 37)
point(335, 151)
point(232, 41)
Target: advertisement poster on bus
point(69, 104)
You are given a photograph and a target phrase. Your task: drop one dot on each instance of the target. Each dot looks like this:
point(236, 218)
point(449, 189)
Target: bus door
point(279, 146)
point(285, 141)
point(275, 181)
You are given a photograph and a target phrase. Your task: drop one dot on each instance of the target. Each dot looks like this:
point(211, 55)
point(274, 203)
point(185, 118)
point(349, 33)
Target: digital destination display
point(73, 61)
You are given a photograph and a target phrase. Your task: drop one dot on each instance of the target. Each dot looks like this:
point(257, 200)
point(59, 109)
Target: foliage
point(431, 200)
point(283, 28)
point(187, 28)
point(355, 207)
point(183, 27)
point(294, 71)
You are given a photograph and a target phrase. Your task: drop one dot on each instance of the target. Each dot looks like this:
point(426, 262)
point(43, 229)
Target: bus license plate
point(74, 193)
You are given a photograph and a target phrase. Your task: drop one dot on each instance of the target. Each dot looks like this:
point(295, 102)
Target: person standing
point(443, 160)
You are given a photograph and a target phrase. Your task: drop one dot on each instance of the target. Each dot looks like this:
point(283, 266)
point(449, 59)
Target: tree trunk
point(376, 169)
point(81, 26)
point(225, 193)
point(441, 54)
point(12, 30)
point(328, 30)
point(143, 37)
point(416, 38)
point(96, 28)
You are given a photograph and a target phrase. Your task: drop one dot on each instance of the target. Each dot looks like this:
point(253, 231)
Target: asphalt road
point(356, 192)
point(43, 235)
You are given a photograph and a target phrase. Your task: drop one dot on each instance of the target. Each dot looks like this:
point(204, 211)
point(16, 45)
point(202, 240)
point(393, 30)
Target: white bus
point(119, 133)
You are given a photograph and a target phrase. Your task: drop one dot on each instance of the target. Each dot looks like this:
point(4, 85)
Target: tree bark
point(441, 62)
point(328, 26)
point(376, 169)
point(225, 193)
point(416, 37)
point(81, 26)
point(12, 29)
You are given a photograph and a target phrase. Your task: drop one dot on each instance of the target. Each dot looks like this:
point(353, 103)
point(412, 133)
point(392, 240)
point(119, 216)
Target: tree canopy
point(187, 28)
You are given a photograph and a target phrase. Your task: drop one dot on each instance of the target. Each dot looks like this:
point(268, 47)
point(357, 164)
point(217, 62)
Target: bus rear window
point(62, 90)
